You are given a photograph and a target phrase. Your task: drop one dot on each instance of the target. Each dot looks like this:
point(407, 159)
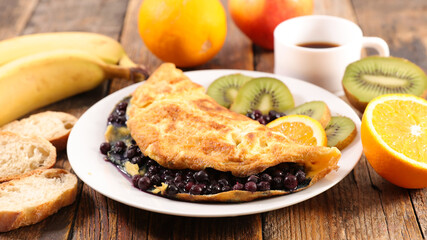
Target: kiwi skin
point(335, 125)
point(360, 103)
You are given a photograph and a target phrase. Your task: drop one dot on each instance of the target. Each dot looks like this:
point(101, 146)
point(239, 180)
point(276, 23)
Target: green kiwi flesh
point(225, 88)
point(340, 132)
point(373, 76)
point(318, 110)
point(264, 94)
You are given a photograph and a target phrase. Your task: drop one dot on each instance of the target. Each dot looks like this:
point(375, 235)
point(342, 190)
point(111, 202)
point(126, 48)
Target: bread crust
point(10, 220)
point(50, 162)
point(59, 127)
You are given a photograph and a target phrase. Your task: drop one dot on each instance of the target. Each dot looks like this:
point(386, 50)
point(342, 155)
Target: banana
point(104, 47)
point(37, 80)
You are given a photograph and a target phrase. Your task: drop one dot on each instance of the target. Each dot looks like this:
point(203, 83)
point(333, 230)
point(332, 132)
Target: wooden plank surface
point(401, 26)
point(362, 206)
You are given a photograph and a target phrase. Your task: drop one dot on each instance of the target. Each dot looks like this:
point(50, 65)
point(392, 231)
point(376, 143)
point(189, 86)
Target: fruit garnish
point(301, 129)
point(314, 109)
point(185, 32)
point(224, 89)
point(263, 94)
point(374, 76)
point(394, 138)
point(340, 132)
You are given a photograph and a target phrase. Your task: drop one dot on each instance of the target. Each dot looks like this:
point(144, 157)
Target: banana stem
point(136, 74)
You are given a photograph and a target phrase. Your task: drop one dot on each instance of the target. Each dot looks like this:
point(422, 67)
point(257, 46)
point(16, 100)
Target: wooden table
point(361, 206)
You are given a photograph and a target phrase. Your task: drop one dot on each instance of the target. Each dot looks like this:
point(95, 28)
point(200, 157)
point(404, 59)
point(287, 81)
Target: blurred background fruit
point(258, 18)
point(185, 32)
point(394, 138)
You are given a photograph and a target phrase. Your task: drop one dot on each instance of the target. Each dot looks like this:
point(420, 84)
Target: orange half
point(394, 138)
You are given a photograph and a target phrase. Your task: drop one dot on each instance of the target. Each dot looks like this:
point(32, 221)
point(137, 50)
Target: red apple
point(258, 18)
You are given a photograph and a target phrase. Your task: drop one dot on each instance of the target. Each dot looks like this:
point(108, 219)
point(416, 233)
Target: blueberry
point(122, 105)
point(250, 186)
point(277, 173)
point(266, 177)
point(267, 118)
point(105, 147)
point(188, 186)
point(277, 182)
point(196, 189)
point(214, 188)
point(119, 147)
point(253, 178)
point(135, 179)
point(155, 180)
point(290, 182)
point(238, 186)
point(130, 153)
point(263, 186)
point(223, 182)
point(300, 175)
point(226, 188)
point(171, 190)
point(136, 160)
point(201, 176)
point(144, 183)
point(257, 114)
point(262, 121)
point(153, 169)
point(177, 179)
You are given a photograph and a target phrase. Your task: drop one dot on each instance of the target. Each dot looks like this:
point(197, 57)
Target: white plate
point(87, 161)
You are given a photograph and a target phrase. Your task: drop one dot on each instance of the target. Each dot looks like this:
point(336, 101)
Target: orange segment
point(394, 138)
point(301, 129)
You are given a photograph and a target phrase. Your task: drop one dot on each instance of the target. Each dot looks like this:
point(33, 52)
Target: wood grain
point(361, 206)
point(14, 16)
point(400, 27)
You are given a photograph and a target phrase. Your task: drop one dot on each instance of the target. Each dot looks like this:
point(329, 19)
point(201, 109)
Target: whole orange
point(258, 18)
point(185, 32)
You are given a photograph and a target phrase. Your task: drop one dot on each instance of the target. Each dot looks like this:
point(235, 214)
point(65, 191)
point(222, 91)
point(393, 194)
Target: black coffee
point(318, 45)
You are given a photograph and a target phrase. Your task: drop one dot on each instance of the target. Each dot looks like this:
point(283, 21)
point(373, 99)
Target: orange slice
point(300, 128)
point(394, 138)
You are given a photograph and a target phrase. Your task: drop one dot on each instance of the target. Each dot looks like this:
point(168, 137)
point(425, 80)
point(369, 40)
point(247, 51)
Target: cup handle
point(378, 44)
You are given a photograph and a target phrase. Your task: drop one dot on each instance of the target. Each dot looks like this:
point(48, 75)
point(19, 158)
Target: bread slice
point(53, 126)
point(30, 199)
point(20, 156)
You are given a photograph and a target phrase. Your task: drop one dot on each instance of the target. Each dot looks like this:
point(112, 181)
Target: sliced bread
point(30, 199)
point(20, 155)
point(53, 126)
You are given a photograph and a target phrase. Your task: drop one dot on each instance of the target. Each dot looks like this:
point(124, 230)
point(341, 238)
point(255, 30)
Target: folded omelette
point(177, 125)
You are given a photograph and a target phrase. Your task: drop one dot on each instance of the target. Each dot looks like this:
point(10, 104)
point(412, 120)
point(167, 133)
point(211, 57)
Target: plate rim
point(320, 189)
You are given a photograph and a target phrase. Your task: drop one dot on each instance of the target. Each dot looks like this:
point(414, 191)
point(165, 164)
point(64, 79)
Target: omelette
point(176, 124)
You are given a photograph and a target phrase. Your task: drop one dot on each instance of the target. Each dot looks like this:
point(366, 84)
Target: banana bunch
point(39, 69)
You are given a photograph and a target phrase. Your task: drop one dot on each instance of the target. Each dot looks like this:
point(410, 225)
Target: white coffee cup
point(324, 67)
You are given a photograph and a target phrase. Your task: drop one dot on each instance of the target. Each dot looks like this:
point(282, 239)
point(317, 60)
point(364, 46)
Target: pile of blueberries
point(264, 119)
point(118, 115)
point(286, 176)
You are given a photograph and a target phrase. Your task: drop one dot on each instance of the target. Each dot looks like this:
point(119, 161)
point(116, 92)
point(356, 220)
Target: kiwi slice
point(340, 132)
point(373, 76)
point(263, 94)
point(314, 109)
point(224, 89)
